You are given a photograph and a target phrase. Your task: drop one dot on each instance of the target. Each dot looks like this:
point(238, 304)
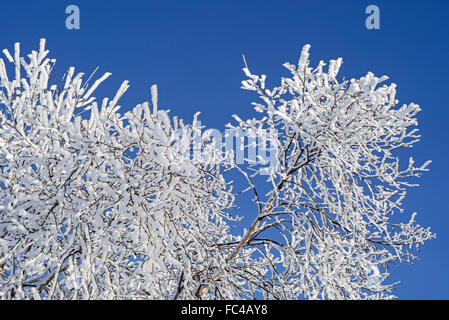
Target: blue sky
point(193, 51)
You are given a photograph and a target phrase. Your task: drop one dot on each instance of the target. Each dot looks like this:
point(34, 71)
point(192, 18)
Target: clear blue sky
point(192, 50)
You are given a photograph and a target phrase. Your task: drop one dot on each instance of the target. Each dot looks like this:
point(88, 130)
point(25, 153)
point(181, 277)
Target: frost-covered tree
point(99, 204)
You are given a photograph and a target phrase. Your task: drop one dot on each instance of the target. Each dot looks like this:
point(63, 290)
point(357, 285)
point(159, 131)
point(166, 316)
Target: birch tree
point(97, 203)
